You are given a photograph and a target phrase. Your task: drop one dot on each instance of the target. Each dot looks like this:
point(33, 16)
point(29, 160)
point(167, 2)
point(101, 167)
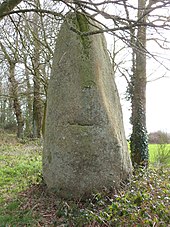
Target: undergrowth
point(144, 202)
point(25, 200)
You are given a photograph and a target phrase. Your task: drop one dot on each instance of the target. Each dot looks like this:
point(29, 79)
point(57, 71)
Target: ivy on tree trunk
point(139, 140)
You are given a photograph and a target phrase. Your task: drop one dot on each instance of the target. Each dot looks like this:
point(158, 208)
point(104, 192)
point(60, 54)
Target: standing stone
point(85, 148)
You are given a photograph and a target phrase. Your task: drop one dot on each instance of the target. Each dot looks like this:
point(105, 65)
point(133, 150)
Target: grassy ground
point(25, 201)
point(159, 154)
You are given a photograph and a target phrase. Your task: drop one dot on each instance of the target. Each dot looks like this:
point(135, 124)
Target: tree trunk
point(29, 112)
point(139, 141)
point(37, 102)
point(37, 109)
point(10, 113)
point(3, 112)
point(16, 103)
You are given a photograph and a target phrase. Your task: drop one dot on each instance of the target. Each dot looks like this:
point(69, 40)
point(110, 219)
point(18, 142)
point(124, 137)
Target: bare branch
point(41, 11)
point(7, 6)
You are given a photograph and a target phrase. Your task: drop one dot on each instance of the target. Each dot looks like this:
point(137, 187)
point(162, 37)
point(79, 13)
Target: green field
point(159, 153)
point(25, 201)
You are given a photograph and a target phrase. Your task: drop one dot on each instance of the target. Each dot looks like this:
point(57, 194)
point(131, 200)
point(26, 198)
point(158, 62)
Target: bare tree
point(37, 102)
point(14, 88)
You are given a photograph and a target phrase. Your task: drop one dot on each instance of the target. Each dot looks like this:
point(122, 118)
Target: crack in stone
point(81, 124)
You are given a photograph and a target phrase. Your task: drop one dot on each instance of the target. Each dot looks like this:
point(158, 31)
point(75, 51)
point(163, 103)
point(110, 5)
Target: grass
point(20, 167)
point(159, 153)
point(25, 200)
point(18, 164)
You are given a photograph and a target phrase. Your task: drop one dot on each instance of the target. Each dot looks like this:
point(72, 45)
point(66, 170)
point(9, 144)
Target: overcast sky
point(158, 102)
point(158, 90)
point(158, 105)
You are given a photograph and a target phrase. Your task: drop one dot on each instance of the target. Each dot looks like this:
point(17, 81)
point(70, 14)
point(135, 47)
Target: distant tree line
point(159, 137)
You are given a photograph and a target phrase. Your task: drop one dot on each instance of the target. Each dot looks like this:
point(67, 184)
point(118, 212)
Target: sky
point(158, 90)
point(157, 103)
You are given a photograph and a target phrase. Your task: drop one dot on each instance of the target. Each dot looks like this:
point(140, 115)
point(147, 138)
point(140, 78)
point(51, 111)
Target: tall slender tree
point(37, 102)
point(138, 140)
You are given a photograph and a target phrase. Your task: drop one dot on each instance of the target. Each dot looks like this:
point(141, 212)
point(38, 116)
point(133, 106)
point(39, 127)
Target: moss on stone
point(86, 74)
point(82, 22)
point(83, 26)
